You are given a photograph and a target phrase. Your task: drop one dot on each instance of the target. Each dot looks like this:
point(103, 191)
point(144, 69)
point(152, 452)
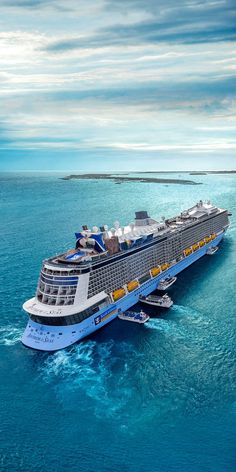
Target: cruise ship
point(82, 290)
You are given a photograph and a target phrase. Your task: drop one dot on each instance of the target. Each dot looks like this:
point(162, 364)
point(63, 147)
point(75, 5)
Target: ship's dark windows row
point(72, 319)
point(51, 300)
point(58, 281)
point(60, 273)
point(56, 290)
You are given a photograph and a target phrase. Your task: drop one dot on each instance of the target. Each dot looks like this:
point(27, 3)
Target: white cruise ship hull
point(52, 338)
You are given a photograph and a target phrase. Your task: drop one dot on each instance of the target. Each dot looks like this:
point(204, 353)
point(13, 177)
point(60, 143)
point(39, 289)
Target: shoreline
point(120, 179)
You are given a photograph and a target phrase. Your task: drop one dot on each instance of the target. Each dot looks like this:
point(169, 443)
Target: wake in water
point(134, 381)
point(95, 375)
point(10, 336)
point(176, 324)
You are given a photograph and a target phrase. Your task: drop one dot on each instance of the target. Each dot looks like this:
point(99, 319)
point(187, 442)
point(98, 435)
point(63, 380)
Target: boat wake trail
point(178, 324)
point(96, 375)
point(10, 336)
point(131, 382)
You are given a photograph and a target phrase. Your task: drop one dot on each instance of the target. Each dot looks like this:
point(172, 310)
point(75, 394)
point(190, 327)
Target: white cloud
point(198, 147)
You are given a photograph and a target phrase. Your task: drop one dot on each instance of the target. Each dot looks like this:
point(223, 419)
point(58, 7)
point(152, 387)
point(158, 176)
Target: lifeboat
point(202, 243)
point(164, 266)
point(208, 239)
point(155, 271)
point(195, 247)
point(117, 294)
point(132, 285)
point(213, 236)
point(188, 251)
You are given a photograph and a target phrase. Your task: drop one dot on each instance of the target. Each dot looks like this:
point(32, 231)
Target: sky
point(117, 85)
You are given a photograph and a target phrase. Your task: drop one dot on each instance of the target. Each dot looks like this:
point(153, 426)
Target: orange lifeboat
point(117, 294)
point(132, 285)
point(195, 247)
point(188, 251)
point(164, 266)
point(155, 271)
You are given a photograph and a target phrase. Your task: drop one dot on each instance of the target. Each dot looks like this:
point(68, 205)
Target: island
point(117, 178)
point(197, 173)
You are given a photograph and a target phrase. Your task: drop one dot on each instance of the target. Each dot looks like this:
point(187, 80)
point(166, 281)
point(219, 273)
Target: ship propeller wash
point(108, 271)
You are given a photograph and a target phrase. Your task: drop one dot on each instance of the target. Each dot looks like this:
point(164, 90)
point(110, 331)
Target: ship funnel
point(141, 215)
point(142, 218)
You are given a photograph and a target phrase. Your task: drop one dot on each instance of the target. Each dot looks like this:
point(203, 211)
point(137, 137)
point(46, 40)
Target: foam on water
point(89, 368)
point(9, 336)
point(121, 382)
point(176, 323)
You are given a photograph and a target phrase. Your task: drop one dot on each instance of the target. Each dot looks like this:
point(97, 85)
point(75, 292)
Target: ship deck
point(174, 225)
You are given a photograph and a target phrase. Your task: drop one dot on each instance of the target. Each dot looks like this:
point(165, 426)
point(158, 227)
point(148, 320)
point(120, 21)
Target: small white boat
point(166, 283)
point(212, 250)
point(140, 317)
point(156, 300)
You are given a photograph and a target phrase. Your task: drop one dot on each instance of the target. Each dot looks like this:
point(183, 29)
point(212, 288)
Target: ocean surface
point(130, 398)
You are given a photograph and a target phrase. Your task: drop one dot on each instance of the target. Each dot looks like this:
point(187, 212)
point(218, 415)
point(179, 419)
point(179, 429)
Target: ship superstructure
point(82, 290)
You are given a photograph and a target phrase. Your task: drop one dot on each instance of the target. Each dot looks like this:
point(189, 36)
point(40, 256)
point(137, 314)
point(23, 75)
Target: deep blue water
point(159, 397)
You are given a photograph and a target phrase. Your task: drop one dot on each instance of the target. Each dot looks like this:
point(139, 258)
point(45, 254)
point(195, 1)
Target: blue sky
point(103, 85)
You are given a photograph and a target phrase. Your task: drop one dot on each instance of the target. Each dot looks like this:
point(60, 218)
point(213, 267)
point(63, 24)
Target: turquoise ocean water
point(159, 397)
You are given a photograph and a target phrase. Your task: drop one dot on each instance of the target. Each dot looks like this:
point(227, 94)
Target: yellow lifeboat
point(202, 243)
point(155, 271)
point(164, 266)
point(213, 236)
point(117, 294)
point(208, 239)
point(132, 285)
point(195, 247)
point(188, 251)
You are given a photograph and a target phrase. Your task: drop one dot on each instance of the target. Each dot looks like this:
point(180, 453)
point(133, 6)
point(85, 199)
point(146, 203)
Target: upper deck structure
point(96, 244)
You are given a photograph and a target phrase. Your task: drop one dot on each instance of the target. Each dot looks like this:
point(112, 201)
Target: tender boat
point(166, 283)
point(140, 317)
point(212, 250)
point(156, 300)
